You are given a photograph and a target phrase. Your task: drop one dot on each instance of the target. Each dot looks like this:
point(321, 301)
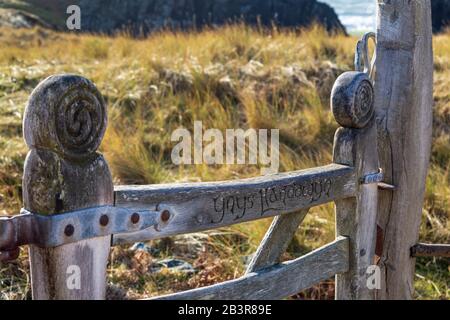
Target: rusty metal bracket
point(56, 230)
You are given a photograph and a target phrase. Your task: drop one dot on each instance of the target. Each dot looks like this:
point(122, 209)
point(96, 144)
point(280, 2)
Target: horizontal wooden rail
point(207, 206)
point(280, 281)
point(431, 250)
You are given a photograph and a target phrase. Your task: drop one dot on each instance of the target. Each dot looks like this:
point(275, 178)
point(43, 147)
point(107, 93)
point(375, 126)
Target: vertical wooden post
point(404, 99)
point(64, 124)
point(356, 145)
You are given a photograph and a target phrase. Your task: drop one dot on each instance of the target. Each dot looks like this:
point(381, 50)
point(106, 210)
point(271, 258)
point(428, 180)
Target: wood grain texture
point(64, 123)
point(207, 206)
point(403, 102)
point(280, 281)
point(356, 217)
point(352, 102)
point(276, 240)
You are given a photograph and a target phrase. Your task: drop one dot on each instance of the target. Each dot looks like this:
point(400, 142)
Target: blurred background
point(161, 65)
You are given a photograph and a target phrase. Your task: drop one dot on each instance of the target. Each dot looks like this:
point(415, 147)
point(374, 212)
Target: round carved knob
point(352, 100)
point(66, 114)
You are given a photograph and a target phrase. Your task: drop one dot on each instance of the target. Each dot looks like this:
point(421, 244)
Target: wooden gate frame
point(69, 183)
point(404, 106)
point(386, 116)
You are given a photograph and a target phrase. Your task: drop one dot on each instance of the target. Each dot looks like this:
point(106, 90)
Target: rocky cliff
point(19, 19)
point(145, 16)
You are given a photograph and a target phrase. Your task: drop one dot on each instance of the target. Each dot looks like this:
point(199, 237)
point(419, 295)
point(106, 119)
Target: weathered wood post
point(403, 103)
point(64, 124)
point(355, 145)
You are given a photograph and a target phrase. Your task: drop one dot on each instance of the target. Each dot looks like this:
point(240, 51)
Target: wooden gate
point(73, 213)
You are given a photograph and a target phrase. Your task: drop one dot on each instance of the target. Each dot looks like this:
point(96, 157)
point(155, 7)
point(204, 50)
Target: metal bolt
point(135, 218)
point(104, 220)
point(69, 230)
point(165, 216)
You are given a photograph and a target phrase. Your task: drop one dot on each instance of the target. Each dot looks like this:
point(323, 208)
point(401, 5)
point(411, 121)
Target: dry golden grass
point(234, 77)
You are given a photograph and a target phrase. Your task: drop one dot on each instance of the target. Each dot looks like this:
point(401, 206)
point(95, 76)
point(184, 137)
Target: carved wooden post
point(356, 145)
point(403, 91)
point(64, 124)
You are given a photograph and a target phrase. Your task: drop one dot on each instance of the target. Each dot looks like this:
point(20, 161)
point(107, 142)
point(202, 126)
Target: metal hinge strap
point(56, 230)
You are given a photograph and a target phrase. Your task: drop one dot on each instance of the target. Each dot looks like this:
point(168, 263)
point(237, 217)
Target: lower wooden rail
point(280, 281)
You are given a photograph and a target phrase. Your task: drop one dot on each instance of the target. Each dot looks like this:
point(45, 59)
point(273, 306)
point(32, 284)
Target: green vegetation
point(228, 78)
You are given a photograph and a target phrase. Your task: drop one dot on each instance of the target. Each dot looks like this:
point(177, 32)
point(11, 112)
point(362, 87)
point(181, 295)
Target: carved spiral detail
point(364, 99)
point(352, 100)
point(66, 114)
point(79, 122)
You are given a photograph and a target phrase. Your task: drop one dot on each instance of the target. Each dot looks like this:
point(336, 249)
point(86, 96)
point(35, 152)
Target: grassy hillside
point(228, 78)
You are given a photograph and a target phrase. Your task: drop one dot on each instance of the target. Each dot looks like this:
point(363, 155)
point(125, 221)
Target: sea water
point(356, 15)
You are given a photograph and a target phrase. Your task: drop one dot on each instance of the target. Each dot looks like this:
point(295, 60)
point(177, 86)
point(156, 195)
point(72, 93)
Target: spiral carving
point(352, 100)
point(66, 114)
point(79, 122)
point(364, 99)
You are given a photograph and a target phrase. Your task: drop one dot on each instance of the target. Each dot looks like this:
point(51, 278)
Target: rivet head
point(135, 217)
point(104, 220)
point(69, 230)
point(165, 216)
